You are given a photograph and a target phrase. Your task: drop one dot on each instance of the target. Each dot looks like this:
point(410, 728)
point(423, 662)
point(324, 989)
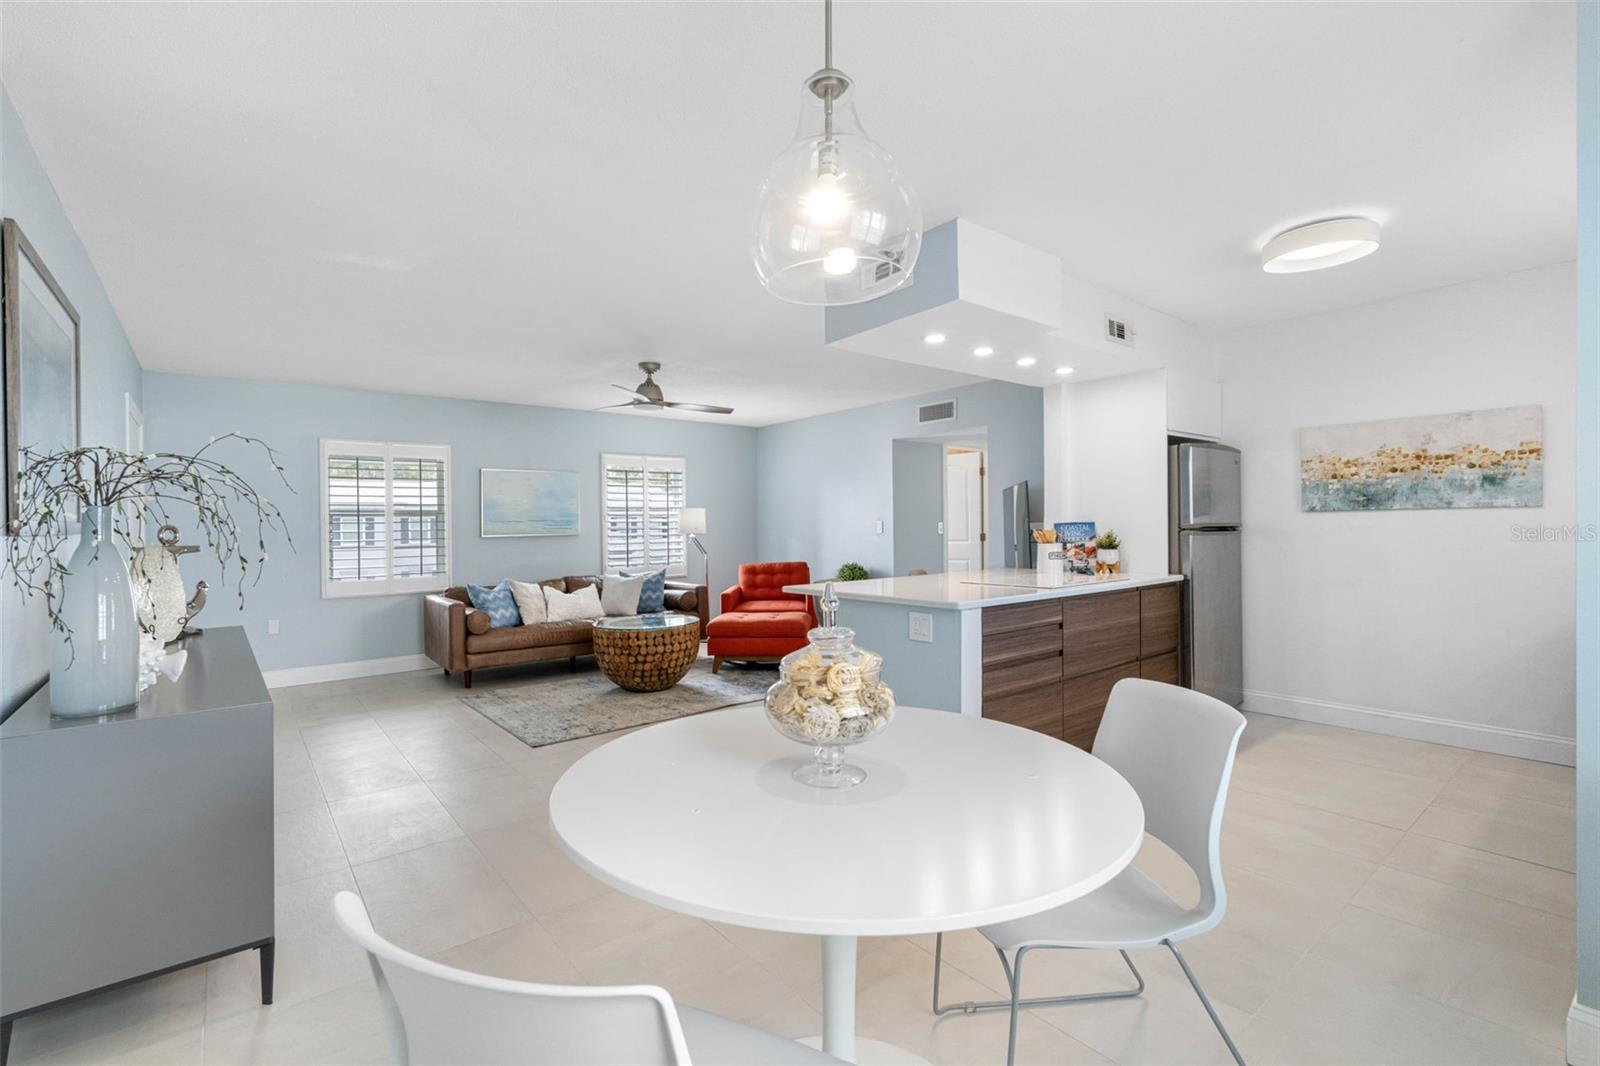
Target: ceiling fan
point(648, 394)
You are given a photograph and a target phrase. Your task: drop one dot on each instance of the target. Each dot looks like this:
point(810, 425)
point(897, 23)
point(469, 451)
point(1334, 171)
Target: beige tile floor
point(1389, 901)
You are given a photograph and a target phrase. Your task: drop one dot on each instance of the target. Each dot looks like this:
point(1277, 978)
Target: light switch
point(272, 627)
point(879, 527)
point(921, 627)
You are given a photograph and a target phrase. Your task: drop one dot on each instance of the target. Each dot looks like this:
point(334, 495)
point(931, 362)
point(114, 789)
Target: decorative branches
point(138, 488)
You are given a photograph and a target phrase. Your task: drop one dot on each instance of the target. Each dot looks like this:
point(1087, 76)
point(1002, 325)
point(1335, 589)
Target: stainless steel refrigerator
point(1203, 487)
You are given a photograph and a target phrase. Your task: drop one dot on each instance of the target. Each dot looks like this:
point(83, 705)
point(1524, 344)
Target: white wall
point(1388, 620)
point(1115, 461)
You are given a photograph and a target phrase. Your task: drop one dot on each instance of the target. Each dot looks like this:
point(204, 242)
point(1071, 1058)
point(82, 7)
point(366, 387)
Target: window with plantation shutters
point(385, 510)
point(642, 496)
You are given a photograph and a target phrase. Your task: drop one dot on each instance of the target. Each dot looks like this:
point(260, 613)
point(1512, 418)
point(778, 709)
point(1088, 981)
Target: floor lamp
point(691, 523)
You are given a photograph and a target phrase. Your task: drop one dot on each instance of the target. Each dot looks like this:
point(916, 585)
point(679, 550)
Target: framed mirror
point(40, 338)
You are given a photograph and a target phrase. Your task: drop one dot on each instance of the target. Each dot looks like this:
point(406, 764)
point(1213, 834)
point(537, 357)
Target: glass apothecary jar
point(830, 695)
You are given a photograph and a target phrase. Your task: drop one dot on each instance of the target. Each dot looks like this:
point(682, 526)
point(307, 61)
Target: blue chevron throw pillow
point(652, 594)
point(498, 603)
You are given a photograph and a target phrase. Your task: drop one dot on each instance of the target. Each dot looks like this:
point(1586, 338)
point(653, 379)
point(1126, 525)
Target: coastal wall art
point(1492, 458)
point(528, 503)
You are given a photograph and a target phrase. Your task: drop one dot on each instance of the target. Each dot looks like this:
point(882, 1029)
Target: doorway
point(965, 531)
point(940, 509)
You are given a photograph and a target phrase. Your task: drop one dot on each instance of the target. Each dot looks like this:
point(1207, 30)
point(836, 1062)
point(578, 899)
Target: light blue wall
point(1588, 504)
point(181, 411)
point(934, 281)
point(108, 371)
point(823, 482)
point(918, 470)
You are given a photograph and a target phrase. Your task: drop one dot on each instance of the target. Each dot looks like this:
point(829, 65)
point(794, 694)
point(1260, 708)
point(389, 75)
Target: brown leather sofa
point(458, 637)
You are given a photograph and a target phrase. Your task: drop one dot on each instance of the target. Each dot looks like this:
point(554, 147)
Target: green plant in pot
point(1108, 548)
point(99, 493)
point(852, 572)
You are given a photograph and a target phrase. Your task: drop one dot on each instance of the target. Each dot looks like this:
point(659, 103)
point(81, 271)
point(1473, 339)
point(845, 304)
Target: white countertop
point(980, 588)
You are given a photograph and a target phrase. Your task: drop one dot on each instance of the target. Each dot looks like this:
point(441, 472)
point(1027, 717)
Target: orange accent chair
point(759, 621)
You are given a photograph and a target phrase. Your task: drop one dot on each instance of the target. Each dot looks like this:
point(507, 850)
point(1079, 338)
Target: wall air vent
point(943, 411)
point(1118, 331)
point(884, 269)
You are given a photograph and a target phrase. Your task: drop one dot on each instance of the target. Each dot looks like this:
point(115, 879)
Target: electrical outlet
point(272, 627)
point(921, 627)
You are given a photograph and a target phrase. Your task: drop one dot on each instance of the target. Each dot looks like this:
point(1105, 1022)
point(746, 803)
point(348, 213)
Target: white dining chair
point(438, 1014)
point(1176, 748)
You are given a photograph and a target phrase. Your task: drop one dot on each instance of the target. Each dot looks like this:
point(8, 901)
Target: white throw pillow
point(530, 601)
point(583, 605)
point(621, 594)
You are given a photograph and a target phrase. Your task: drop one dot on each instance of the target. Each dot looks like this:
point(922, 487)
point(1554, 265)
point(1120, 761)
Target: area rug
point(549, 710)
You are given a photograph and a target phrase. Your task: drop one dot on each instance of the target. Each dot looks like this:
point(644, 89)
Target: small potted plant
point(1108, 552)
point(852, 572)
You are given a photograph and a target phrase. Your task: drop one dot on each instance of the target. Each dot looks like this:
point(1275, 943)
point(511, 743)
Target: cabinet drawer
point(1009, 646)
point(1158, 620)
point(1083, 703)
point(1162, 668)
point(1038, 709)
point(1021, 616)
point(1027, 673)
point(1100, 631)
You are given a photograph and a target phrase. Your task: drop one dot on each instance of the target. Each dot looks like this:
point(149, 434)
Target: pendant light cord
point(827, 33)
point(827, 63)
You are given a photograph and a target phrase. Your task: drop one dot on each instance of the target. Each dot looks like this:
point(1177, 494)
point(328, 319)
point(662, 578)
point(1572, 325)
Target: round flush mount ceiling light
point(933, 338)
point(1320, 245)
point(983, 351)
point(1026, 360)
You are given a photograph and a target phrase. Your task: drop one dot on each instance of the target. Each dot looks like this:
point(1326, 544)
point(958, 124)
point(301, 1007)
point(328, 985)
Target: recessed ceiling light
point(1319, 245)
point(1026, 360)
point(1063, 370)
point(933, 338)
point(983, 351)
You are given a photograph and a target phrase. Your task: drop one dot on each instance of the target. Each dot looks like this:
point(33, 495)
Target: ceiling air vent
point(1118, 331)
point(943, 411)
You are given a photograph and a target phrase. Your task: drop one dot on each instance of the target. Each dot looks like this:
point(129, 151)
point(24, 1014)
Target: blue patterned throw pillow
point(652, 594)
point(498, 603)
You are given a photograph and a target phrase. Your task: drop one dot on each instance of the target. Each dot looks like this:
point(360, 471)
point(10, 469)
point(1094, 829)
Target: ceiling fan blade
point(636, 395)
point(613, 406)
point(709, 409)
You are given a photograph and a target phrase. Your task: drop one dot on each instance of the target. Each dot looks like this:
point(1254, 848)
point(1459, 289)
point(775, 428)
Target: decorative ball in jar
point(830, 695)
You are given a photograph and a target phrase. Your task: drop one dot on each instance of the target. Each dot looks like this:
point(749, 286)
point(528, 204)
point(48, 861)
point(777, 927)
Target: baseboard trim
point(1498, 740)
point(310, 675)
point(1583, 1035)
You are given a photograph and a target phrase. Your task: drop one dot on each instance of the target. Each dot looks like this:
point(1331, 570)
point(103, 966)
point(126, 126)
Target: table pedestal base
point(839, 1012)
point(875, 1053)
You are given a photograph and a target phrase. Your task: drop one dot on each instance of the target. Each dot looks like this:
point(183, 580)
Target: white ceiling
point(519, 202)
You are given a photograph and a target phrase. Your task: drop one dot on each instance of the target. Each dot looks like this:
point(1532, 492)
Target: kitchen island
point(1036, 650)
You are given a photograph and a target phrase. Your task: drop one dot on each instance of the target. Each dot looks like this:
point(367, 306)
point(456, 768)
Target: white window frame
point(645, 461)
point(385, 586)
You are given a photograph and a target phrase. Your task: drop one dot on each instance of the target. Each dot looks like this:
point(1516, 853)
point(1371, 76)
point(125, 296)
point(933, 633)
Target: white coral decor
point(155, 660)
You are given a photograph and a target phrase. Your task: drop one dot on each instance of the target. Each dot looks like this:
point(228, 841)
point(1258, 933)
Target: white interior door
point(963, 504)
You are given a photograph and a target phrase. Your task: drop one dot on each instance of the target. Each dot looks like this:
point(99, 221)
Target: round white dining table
point(961, 822)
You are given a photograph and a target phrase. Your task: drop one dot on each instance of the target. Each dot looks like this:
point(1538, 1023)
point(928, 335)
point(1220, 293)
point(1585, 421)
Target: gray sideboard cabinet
point(137, 843)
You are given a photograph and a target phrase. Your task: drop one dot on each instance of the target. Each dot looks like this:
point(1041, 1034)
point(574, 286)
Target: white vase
point(1109, 556)
point(97, 671)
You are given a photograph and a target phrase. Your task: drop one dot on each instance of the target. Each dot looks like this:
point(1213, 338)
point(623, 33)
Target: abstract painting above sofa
point(527, 503)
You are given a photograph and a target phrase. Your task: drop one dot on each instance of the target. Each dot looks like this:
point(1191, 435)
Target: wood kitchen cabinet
point(1084, 703)
point(1100, 631)
point(1050, 664)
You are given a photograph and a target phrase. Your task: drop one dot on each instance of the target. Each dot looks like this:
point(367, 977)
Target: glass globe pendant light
point(835, 223)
